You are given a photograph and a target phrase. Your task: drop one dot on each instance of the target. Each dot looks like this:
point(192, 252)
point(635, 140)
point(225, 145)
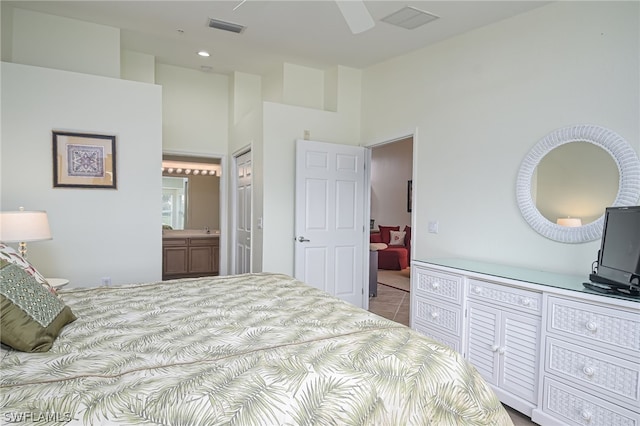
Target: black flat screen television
point(618, 266)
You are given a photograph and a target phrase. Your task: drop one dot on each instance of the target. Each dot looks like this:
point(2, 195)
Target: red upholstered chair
point(394, 257)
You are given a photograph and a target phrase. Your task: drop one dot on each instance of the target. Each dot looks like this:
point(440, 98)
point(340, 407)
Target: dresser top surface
point(544, 278)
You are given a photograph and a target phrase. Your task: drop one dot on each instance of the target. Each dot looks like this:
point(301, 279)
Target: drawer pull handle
point(434, 315)
point(588, 371)
point(435, 285)
point(592, 326)
point(525, 301)
point(477, 290)
point(586, 415)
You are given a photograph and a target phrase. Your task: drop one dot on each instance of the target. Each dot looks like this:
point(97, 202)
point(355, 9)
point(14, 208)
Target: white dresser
point(551, 349)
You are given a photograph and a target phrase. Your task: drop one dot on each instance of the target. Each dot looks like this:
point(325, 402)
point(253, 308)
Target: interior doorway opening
point(191, 192)
point(390, 217)
point(193, 216)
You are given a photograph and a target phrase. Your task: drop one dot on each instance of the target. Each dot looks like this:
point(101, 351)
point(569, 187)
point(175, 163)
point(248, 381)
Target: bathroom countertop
point(190, 233)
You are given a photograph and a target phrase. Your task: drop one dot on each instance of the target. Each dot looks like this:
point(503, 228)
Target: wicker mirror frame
point(623, 154)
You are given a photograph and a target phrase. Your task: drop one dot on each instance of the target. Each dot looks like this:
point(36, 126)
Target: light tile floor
point(394, 304)
point(391, 303)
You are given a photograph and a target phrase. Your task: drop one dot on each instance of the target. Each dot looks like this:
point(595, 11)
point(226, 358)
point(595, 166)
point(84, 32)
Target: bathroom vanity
point(190, 253)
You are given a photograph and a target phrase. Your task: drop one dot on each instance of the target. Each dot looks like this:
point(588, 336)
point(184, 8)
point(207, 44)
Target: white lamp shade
point(570, 222)
point(24, 226)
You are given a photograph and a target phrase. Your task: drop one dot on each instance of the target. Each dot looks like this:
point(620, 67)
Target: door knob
point(303, 239)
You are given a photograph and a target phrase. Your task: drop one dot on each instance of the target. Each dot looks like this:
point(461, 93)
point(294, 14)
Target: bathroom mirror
point(544, 191)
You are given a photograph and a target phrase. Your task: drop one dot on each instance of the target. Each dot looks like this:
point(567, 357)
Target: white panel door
point(242, 219)
point(329, 228)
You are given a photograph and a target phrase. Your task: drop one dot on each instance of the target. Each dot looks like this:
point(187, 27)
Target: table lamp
point(24, 226)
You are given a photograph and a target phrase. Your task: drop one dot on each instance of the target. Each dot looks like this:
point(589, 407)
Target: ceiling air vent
point(409, 18)
point(226, 26)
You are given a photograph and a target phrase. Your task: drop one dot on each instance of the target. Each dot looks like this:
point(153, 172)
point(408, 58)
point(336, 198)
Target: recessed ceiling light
point(204, 53)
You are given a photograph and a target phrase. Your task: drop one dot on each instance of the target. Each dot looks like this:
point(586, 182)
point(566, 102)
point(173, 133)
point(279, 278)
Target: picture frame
point(84, 160)
point(409, 195)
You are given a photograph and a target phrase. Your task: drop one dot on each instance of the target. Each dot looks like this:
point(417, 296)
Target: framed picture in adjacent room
point(83, 160)
point(409, 195)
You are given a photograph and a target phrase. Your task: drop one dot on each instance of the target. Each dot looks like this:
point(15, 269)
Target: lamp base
point(22, 248)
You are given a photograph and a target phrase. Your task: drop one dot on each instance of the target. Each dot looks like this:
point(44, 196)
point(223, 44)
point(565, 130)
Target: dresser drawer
point(446, 317)
point(619, 379)
point(510, 297)
point(594, 324)
point(452, 342)
point(575, 407)
point(438, 285)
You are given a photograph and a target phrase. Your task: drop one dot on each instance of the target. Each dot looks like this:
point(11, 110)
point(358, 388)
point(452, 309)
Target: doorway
point(391, 206)
point(192, 204)
point(392, 183)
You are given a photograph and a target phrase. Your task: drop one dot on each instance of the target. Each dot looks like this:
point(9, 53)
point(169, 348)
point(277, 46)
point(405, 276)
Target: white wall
point(137, 66)
point(283, 124)
point(271, 136)
point(96, 232)
point(391, 169)
point(481, 100)
point(195, 110)
point(303, 86)
point(245, 132)
point(66, 44)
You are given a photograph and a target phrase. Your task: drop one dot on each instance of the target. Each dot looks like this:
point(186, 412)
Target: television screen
point(619, 256)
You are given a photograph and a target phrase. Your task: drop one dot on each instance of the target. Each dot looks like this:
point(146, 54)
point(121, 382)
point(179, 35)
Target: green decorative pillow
point(30, 316)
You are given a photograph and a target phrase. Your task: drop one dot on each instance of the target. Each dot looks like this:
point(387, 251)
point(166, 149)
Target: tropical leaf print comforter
point(253, 349)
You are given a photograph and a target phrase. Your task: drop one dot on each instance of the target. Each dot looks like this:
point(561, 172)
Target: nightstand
point(57, 283)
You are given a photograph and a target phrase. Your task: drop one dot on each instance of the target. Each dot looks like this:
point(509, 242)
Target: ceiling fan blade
point(356, 14)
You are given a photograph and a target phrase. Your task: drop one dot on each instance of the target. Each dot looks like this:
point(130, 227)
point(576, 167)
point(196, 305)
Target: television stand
point(601, 288)
point(604, 285)
point(607, 289)
point(631, 291)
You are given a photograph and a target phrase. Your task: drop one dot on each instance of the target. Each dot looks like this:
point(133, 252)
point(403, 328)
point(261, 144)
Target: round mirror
point(565, 188)
point(570, 176)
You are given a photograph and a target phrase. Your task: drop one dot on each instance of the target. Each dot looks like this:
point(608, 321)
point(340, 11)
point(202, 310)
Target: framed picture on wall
point(83, 160)
point(409, 195)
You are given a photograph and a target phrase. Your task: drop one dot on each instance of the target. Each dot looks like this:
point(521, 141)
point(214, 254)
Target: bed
point(251, 349)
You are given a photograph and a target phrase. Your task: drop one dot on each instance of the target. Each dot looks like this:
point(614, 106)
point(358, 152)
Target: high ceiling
point(304, 32)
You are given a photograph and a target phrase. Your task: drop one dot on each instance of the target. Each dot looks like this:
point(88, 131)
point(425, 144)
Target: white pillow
point(397, 238)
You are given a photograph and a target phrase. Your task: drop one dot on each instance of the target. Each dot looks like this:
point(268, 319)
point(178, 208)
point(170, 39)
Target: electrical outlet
point(106, 281)
point(433, 226)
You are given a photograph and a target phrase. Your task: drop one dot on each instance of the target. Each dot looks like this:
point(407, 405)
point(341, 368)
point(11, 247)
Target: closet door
point(243, 214)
